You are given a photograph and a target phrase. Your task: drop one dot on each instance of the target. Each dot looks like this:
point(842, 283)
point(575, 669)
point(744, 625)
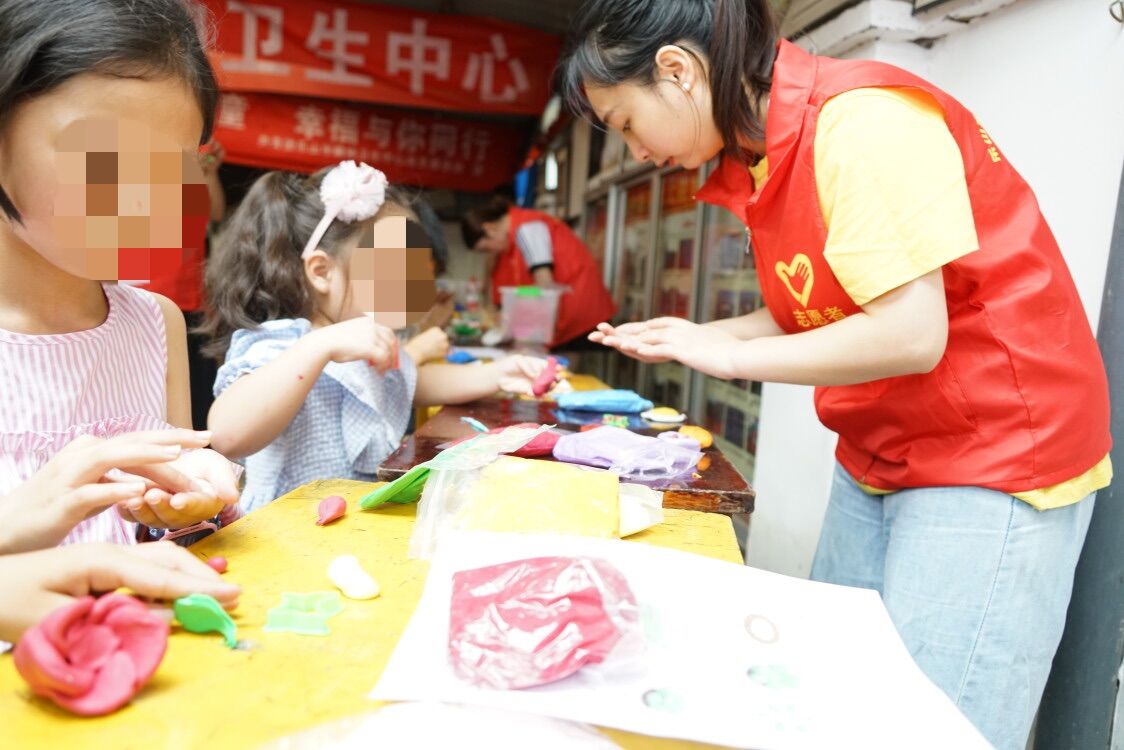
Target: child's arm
point(34, 584)
point(440, 384)
point(903, 332)
point(258, 406)
point(177, 381)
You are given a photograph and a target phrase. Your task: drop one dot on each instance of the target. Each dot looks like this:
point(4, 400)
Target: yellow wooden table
point(206, 696)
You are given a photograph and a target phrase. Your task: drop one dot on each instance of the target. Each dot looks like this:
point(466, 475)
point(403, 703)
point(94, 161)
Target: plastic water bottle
point(472, 295)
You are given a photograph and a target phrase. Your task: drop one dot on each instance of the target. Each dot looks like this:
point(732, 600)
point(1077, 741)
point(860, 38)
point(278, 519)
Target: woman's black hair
point(473, 220)
point(616, 41)
point(255, 272)
point(45, 43)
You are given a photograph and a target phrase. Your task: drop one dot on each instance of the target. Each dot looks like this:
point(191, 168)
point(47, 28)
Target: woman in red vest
point(531, 247)
point(908, 274)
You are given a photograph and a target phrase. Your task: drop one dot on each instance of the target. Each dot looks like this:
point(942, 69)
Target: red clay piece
point(330, 508)
point(546, 378)
point(92, 656)
point(218, 563)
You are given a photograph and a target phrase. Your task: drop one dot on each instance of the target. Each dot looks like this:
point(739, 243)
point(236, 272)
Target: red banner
point(414, 148)
point(344, 50)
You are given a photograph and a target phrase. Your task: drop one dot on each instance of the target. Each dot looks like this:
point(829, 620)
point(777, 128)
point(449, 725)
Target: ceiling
point(545, 15)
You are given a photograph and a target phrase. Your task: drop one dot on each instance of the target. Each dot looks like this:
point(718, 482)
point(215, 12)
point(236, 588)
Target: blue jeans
point(976, 581)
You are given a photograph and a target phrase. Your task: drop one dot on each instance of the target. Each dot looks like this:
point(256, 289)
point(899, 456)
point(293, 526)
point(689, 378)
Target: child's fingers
point(177, 558)
point(185, 508)
point(176, 436)
point(152, 579)
point(140, 512)
point(164, 476)
point(94, 498)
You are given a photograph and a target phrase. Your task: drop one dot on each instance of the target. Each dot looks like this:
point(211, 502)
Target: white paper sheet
point(743, 658)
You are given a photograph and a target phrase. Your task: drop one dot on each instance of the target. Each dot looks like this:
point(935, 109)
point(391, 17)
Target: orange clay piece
point(217, 563)
point(698, 433)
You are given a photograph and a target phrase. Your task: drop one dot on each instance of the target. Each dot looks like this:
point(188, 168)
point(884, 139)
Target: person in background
point(528, 247)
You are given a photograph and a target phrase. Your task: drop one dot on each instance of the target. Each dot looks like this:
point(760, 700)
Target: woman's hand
point(213, 487)
point(72, 486)
point(34, 584)
point(359, 339)
point(703, 348)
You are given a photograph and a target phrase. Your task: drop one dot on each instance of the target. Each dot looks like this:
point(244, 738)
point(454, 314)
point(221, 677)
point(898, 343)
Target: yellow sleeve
point(892, 190)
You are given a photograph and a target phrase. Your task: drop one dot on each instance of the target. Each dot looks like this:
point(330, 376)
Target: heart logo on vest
point(798, 275)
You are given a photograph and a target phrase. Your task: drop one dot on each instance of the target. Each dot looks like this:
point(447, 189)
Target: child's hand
point(703, 348)
point(212, 487)
point(37, 583)
point(430, 344)
point(71, 487)
point(516, 374)
point(360, 339)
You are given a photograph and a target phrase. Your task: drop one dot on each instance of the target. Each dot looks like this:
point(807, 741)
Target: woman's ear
point(675, 64)
point(318, 269)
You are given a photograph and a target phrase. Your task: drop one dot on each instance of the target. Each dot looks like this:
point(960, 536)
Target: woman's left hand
point(703, 348)
point(517, 373)
point(215, 488)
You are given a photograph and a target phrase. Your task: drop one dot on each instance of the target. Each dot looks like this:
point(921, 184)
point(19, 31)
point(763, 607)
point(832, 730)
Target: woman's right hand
point(72, 486)
point(621, 337)
point(360, 339)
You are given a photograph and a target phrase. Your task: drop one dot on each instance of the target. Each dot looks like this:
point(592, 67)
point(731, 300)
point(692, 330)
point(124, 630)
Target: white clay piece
point(350, 578)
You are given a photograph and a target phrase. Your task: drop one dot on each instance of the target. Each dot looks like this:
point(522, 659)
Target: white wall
point(1046, 78)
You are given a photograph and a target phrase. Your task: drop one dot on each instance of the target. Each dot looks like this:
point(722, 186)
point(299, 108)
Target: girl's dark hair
point(615, 41)
point(472, 223)
point(431, 223)
point(44, 43)
point(255, 272)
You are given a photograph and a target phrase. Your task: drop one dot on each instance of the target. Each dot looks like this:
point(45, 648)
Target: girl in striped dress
point(103, 105)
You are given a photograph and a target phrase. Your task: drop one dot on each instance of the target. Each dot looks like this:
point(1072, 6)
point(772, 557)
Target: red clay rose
point(91, 656)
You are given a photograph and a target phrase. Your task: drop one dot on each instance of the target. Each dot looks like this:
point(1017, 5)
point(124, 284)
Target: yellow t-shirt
point(891, 185)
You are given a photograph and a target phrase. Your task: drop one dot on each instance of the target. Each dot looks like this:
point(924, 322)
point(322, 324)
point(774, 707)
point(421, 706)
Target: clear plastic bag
point(517, 495)
point(451, 473)
point(531, 622)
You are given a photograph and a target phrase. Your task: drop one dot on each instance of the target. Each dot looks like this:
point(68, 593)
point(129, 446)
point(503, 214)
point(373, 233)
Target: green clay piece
point(199, 613)
point(306, 614)
point(405, 489)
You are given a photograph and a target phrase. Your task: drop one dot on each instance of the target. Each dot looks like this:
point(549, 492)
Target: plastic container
point(529, 312)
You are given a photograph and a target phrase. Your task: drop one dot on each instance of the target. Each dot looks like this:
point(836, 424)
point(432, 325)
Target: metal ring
point(1116, 10)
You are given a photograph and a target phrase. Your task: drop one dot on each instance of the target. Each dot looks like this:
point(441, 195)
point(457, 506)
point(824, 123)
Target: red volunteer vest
point(1019, 400)
point(588, 302)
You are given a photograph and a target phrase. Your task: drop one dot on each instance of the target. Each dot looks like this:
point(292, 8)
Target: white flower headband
point(351, 192)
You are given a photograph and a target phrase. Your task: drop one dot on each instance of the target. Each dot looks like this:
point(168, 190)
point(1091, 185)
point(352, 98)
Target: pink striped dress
point(103, 382)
